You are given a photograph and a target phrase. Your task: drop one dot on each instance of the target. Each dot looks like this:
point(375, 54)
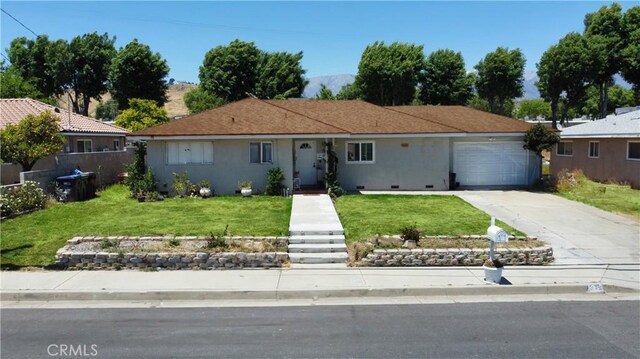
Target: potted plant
point(205, 190)
point(492, 270)
point(245, 188)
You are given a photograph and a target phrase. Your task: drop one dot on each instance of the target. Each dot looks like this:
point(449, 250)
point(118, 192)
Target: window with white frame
point(594, 149)
point(116, 145)
point(633, 150)
point(183, 152)
point(84, 146)
point(360, 152)
point(260, 152)
point(564, 148)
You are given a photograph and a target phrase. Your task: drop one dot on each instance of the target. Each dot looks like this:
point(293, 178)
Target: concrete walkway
point(314, 214)
point(309, 283)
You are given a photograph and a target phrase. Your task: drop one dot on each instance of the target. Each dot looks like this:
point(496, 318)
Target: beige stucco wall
point(98, 143)
point(230, 165)
point(612, 164)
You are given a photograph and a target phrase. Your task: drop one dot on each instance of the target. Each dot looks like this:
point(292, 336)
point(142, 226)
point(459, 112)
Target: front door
point(306, 162)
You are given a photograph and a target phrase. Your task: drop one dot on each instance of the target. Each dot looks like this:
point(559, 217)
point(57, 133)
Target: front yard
point(609, 197)
point(32, 240)
point(365, 216)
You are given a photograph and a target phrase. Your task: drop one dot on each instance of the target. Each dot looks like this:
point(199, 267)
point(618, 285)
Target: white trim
point(563, 155)
point(93, 134)
point(353, 162)
point(167, 163)
point(627, 154)
point(324, 136)
point(261, 148)
point(603, 135)
point(589, 149)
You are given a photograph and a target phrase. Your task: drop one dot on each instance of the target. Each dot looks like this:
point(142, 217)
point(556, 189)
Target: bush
point(140, 180)
point(275, 176)
point(180, 183)
point(27, 197)
point(410, 233)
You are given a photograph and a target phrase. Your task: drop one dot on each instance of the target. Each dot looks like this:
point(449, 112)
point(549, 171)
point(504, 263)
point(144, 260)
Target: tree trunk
point(603, 99)
point(27, 166)
point(554, 113)
point(85, 105)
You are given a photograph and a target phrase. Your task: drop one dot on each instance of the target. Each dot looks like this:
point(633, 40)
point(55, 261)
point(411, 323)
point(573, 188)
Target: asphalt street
point(480, 330)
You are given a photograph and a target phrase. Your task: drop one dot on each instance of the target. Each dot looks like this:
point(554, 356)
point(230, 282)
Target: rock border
point(67, 257)
point(455, 257)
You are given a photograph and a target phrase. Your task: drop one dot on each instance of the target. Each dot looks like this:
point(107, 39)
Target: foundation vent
point(428, 186)
point(395, 187)
point(359, 187)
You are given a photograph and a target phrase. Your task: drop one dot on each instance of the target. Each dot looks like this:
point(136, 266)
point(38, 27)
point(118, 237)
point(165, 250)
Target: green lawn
point(609, 197)
point(33, 239)
point(364, 216)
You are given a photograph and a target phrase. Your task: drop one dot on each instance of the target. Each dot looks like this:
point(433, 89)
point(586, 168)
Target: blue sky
point(332, 35)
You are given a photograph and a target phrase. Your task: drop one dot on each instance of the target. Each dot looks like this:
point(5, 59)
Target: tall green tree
point(445, 80)
point(563, 73)
point(630, 66)
point(31, 139)
point(107, 111)
point(500, 78)
point(617, 96)
point(141, 114)
point(388, 75)
point(32, 59)
point(280, 75)
point(325, 93)
point(603, 32)
point(137, 72)
point(198, 100)
point(349, 92)
point(91, 56)
point(12, 85)
point(532, 109)
point(230, 72)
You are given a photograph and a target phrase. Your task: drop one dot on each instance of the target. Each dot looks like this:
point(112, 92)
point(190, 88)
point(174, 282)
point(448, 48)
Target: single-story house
point(378, 148)
point(605, 150)
point(90, 144)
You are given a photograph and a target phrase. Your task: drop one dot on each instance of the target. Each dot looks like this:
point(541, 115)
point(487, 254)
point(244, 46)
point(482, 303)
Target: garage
point(490, 163)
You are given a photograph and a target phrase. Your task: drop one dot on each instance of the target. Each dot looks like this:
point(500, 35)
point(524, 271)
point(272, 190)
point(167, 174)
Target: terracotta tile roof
point(304, 117)
point(14, 110)
point(466, 119)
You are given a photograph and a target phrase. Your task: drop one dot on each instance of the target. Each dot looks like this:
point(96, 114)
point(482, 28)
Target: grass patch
point(365, 216)
point(609, 197)
point(33, 239)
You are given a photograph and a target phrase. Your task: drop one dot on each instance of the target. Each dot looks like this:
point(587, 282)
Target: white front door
point(306, 162)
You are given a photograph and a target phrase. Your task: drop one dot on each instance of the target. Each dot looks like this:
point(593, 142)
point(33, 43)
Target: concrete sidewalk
point(309, 283)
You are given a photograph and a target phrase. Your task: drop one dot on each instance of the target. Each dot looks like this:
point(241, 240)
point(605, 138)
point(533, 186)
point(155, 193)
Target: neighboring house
point(378, 148)
point(90, 144)
point(605, 150)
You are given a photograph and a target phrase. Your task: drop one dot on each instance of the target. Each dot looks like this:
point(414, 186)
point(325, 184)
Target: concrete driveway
point(579, 234)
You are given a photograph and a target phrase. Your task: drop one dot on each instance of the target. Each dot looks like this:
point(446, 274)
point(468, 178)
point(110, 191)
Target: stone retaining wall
point(455, 256)
point(70, 256)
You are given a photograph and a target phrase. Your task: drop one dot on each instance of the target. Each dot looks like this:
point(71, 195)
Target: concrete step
point(317, 248)
point(293, 231)
point(314, 258)
point(316, 239)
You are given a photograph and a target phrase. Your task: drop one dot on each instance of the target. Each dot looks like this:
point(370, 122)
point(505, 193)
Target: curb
point(56, 295)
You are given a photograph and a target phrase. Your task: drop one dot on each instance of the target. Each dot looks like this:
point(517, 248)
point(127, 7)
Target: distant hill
point(333, 82)
point(531, 91)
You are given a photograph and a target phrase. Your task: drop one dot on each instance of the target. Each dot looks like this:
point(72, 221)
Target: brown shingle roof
point(465, 118)
point(299, 117)
point(15, 109)
point(245, 117)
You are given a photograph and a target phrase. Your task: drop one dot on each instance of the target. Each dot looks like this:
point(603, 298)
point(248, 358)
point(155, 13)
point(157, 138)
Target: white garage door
point(490, 163)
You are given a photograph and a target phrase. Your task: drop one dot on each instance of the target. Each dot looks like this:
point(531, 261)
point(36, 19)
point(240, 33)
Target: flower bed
point(21, 199)
point(448, 251)
point(172, 252)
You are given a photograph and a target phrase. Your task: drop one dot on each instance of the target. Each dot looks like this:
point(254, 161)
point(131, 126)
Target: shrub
point(27, 197)
point(410, 233)
point(180, 183)
point(217, 241)
point(171, 243)
point(274, 178)
point(140, 180)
